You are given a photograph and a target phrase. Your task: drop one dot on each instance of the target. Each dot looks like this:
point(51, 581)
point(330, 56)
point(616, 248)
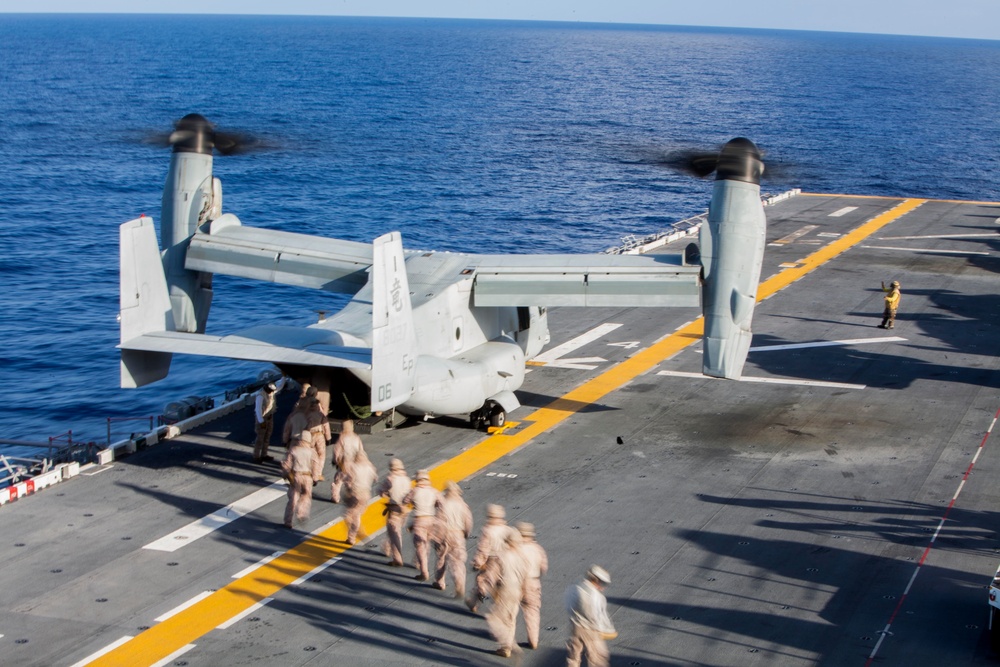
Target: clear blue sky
point(944, 18)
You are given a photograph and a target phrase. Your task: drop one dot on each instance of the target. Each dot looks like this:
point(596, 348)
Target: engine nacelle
point(732, 249)
point(191, 197)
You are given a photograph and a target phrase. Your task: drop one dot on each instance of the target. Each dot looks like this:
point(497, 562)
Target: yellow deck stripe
point(836, 247)
point(199, 619)
point(926, 199)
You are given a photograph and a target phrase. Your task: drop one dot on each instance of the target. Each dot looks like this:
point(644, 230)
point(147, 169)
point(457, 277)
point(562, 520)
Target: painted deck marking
point(313, 572)
point(991, 235)
point(930, 545)
point(239, 617)
point(99, 470)
point(934, 250)
point(219, 518)
point(164, 638)
point(181, 607)
point(173, 656)
point(804, 383)
point(827, 343)
point(553, 357)
point(577, 363)
point(794, 235)
point(263, 561)
point(104, 651)
point(844, 211)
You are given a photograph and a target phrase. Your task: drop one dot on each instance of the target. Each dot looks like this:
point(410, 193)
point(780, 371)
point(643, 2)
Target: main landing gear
point(491, 414)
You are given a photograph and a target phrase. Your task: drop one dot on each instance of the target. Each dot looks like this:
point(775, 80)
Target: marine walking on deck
point(454, 525)
point(394, 488)
point(511, 570)
point(297, 468)
point(537, 563)
point(319, 426)
point(590, 625)
point(360, 475)
point(346, 447)
point(424, 500)
point(491, 539)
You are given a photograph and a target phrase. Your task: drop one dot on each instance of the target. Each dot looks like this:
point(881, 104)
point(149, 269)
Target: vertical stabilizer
point(144, 301)
point(394, 358)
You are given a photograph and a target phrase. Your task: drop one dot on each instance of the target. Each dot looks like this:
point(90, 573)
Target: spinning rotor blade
point(703, 163)
point(692, 162)
point(195, 134)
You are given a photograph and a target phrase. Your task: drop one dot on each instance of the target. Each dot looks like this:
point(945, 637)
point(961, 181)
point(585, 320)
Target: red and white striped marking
point(39, 482)
point(930, 545)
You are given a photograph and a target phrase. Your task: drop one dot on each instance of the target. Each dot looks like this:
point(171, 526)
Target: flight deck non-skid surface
point(822, 511)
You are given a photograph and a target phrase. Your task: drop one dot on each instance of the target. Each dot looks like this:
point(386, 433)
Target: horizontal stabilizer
point(274, 256)
point(276, 344)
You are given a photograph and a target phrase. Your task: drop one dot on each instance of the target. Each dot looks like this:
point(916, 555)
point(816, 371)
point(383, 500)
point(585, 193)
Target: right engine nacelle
point(732, 250)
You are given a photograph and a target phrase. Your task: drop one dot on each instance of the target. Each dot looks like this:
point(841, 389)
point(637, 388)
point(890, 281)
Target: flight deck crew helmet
point(423, 475)
point(895, 283)
point(495, 512)
point(395, 464)
point(270, 387)
point(598, 573)
point(526, 529)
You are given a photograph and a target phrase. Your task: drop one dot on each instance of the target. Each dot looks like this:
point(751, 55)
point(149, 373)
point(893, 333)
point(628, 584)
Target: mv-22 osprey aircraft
point(429, 333)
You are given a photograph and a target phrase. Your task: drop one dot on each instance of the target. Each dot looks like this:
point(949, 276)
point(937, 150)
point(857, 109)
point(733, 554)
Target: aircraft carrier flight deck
point(837, 506)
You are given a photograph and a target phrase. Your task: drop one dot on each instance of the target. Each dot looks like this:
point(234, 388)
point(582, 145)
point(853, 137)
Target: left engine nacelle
point(191, 197)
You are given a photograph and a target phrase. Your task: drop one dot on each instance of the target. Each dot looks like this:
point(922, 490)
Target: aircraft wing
point(336, 265)
point(585, 280)
point(277, 344)
point(229, 248)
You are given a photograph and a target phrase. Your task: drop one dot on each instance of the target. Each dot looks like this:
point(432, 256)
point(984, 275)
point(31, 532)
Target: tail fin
point(394, 359)
point(144, 302)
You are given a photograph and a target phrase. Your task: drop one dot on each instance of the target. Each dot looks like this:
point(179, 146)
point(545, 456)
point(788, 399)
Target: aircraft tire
point(498, 416)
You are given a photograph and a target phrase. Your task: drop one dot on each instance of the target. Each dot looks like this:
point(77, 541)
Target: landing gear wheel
point(498, 416)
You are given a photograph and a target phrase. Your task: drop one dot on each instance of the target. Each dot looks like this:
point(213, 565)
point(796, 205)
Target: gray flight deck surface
point(743, 523)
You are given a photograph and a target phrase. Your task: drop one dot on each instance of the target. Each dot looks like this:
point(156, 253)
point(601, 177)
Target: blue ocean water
point(464, 135)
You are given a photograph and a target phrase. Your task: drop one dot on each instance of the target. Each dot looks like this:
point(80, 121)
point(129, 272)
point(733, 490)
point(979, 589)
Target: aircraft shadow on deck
point(854, 577)
point(533, 400)
point(966, 325)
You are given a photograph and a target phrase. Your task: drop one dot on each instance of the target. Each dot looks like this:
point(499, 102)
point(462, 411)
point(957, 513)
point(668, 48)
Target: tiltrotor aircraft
point(428, 333)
